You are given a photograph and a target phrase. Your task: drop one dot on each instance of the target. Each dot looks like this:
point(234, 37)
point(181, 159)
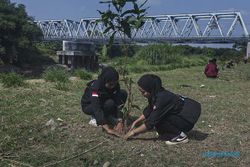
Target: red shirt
point(211, 70)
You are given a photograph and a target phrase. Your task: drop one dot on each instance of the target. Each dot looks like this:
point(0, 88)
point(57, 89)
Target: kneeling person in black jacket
point(103, 100)
point(171, 115)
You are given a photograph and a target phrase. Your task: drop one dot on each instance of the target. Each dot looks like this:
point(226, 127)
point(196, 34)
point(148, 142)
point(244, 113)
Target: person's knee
point(109, 105)
point(88, 110)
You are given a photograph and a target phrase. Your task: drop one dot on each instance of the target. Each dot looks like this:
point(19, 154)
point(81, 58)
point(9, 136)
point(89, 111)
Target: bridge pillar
point(247, 53)
point(65, 60)
point(78, 55)
point(60, 59)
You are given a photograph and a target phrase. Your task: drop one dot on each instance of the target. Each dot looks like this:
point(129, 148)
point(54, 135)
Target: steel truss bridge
point(225, 27)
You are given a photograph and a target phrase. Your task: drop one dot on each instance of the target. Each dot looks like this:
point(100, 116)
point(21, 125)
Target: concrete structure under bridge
point(78, 55)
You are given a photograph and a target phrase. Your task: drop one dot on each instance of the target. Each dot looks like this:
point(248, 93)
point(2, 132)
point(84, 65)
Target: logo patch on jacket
point(95, 94)
point(154, 108)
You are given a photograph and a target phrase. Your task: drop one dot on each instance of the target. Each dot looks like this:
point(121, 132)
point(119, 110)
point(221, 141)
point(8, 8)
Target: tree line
point(17, 33)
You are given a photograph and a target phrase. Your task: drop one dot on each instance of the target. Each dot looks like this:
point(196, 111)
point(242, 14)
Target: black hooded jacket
point(96, 93)
point(161, 103)
point(164, 104)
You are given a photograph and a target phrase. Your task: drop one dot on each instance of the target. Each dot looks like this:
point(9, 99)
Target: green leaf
point(126, 28)
point(135, 106)
point(132, 11)
point(125, 110)
point(136, 8)
point(143, 3)
point(105, 2)
point(100, 12)
point(116, 5)
point(131, 81)
point(139, 23)
point(122, 3)
point(107, 29)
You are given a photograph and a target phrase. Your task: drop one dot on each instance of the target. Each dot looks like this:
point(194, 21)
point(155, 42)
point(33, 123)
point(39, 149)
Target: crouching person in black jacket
point(103, 100)
point(171, 115)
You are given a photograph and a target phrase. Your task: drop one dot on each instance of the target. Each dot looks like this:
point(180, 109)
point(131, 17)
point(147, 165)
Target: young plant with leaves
point(118, 19)
point(122, 20)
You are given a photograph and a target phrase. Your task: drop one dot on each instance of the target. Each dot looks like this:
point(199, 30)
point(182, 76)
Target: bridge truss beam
point(206, 27)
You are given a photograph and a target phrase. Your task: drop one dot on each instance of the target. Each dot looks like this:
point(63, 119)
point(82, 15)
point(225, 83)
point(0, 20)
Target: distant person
point(211, 69)
point(103, 100)
point(171, 115)
point(229, 64)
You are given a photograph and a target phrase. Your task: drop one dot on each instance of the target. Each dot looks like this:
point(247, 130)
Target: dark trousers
point(111, 108)
point(173, 125)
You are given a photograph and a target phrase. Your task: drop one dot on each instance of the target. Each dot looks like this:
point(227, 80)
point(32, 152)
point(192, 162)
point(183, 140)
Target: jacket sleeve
point(146, 111)
point(95, 103)
point(162, 106)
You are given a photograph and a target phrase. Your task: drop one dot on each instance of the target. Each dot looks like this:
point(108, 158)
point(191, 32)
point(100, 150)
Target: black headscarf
point(150, 83)
point(108, 74)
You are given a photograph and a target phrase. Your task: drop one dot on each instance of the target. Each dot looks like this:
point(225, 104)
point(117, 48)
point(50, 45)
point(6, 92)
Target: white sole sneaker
point(176, 142)
point(92, 122)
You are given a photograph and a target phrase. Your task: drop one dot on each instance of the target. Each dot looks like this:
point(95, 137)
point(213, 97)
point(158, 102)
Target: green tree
point(17, 32)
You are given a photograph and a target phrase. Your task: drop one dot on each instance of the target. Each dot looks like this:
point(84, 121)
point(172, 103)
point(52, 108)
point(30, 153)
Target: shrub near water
point(159, 54)
point(12, 80)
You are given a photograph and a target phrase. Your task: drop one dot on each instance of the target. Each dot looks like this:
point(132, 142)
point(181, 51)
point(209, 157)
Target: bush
point(12, 80)
point(83, 74)
point(62, 86)
point(56, 75)
point(159, 54)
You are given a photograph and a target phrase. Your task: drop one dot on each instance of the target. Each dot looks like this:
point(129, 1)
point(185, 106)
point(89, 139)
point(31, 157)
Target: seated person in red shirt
point(211, 69)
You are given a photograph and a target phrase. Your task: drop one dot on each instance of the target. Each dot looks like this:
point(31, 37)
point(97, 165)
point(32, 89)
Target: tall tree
point(17, 32)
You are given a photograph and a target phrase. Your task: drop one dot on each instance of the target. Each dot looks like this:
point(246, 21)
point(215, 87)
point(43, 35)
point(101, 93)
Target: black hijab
point(108, 74)
point(151, 83)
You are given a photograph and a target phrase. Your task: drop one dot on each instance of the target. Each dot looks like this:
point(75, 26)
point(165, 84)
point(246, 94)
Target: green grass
point(12, 80)
point(223, 125)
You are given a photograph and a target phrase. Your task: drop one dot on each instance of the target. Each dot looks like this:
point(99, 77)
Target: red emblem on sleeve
point(95, 94)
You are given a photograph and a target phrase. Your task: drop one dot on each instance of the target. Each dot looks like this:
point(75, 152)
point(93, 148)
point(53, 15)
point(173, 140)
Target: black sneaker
point(181, 138)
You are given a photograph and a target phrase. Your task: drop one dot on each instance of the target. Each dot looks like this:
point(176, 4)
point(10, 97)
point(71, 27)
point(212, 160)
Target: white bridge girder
point(202, 26)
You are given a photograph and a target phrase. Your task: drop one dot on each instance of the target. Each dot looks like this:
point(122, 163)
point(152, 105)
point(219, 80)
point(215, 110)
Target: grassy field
point(26, 140)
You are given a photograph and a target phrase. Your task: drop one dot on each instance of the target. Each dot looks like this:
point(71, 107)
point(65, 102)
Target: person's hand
point(129, 135)
point(113, 132)
point(119, 127)
point(110, 131)
point(133, 125)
